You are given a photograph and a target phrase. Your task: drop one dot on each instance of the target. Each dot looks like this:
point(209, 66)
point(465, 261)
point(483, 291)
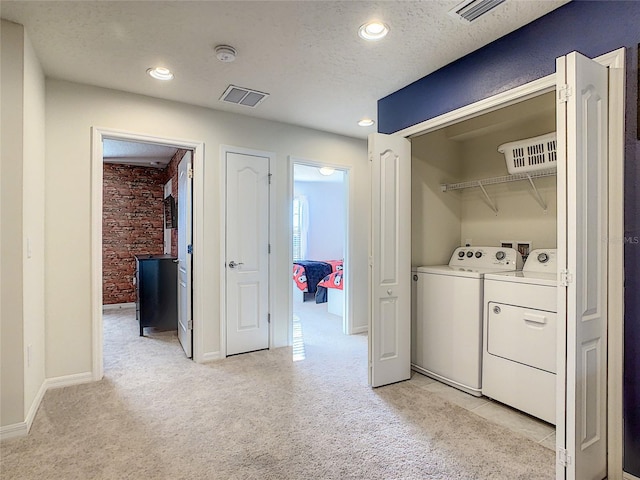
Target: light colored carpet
point(157, 415)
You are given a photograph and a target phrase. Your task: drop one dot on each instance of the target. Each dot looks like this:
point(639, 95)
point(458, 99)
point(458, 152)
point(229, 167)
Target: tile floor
point(516, 421)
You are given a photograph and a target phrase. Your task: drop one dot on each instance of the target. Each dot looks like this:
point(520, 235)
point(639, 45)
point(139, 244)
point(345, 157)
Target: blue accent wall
point(591, 28)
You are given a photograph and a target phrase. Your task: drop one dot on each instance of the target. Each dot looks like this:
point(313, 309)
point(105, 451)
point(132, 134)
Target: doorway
point(318, 238)
point(99, 136)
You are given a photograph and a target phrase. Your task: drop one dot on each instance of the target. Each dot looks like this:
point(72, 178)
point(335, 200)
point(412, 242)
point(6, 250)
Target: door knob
point(233, 264)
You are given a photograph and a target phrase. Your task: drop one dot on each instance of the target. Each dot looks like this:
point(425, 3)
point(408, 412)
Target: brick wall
point(132, 224)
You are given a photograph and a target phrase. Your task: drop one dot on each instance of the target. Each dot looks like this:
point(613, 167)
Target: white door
point(247, 252)
point(167, 231)
point(185, 249)
point(582, 254)
point(390, 260)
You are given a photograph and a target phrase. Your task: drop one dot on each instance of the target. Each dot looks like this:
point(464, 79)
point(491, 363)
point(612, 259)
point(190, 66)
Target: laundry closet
point(416, 209)
point(466, 192)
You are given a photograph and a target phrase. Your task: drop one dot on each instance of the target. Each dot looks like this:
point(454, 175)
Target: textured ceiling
point(306, 53)
point(137, 153)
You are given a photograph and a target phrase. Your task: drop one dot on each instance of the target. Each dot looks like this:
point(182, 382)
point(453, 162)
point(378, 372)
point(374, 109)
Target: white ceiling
point(307, 173)
point(137, 153)
point(306, 54)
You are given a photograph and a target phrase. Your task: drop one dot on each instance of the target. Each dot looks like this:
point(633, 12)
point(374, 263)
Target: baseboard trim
point(69, 380)
point(118, 306)
point(628, 476)
point(357, 330)
point(14, 430)
point(210, 357)
point(35, 405)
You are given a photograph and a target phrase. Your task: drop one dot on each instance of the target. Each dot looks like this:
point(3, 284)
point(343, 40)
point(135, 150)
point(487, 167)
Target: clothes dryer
point(448, 327)
point(519, 340)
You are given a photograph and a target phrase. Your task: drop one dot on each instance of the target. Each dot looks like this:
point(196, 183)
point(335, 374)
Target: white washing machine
point(520, 329)
point(448, 326)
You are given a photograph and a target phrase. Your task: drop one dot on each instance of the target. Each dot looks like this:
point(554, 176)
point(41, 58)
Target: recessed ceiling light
point(366, 122)
point(373, 30)
point(326, 171)
point(160, 73)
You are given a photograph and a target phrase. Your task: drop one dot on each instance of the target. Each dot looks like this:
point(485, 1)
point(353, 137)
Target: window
point(300, 227)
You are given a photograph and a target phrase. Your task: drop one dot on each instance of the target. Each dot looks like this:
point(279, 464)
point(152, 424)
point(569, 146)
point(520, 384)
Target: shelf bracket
point(539, 198)
point(489, 201)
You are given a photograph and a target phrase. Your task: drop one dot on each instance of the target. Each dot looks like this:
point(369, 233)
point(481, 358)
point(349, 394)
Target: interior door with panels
point(582, 125)
point(247, 252)
point(390, 260)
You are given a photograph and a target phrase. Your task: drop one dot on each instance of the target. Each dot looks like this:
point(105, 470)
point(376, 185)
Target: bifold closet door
point(390, 260)
point(582, 114)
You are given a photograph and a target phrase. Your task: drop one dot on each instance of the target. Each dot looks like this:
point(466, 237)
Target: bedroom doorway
point(125, 152)
point(319, 240)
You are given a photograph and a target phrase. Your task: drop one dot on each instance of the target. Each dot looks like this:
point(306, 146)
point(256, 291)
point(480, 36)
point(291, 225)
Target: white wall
point(71, 111)
point(22, 218)
point(33, 196)
point(11, 359)
point(435, 215)
point(326, 218)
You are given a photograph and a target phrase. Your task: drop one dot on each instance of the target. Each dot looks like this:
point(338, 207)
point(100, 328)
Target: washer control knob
point(500, 255)
point(543, 257)
point(478, 254)
point(496, 310)
point(469, 254)
point(461, 254)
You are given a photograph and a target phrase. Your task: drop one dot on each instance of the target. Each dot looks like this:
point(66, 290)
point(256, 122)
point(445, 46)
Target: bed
point(307, 274)
point(333, 288)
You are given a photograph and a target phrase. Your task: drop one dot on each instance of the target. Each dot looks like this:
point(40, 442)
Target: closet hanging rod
point(496, 180)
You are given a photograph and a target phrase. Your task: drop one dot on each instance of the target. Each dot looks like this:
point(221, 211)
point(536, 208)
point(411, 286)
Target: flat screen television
point(170, 213)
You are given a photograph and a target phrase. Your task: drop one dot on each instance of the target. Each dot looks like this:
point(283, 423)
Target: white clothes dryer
point(448, 325)
point(519, 340)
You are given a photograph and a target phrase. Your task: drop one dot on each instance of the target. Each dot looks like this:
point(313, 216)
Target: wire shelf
point(496, 180)
point(516, 177)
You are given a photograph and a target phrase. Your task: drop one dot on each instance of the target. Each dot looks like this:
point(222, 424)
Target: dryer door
point(522, 335)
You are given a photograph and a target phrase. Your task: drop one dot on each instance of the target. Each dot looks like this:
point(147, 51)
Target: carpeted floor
point(157, 415)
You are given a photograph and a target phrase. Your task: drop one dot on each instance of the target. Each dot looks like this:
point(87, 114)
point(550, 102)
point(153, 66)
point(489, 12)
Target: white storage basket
point(530, 154)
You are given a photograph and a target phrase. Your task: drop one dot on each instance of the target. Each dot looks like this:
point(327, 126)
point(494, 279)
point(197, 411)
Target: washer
point(448, 327)
point(519, 341)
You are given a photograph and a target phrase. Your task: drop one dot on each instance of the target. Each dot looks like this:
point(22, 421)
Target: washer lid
point(469, 272)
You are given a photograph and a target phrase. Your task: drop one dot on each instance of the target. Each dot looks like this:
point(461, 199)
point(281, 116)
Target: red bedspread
point(332, 281)
point(300, 277)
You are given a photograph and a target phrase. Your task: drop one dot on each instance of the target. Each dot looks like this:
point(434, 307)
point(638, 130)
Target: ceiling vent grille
point(470, 10)
point(243, 96)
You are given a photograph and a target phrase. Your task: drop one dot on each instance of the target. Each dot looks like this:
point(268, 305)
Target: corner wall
point(12, 115)
point(22, 201)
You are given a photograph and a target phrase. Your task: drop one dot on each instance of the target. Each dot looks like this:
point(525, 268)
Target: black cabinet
point(157, 286)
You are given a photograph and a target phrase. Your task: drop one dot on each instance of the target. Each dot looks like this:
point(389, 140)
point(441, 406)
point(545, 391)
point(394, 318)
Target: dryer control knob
point(478, 254)
point(461, 254)
point(500, 255)
point(543, 257)
point(469, 254)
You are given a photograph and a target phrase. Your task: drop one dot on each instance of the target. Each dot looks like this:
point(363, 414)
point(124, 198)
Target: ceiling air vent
point(469, 10)
point(243, 96)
